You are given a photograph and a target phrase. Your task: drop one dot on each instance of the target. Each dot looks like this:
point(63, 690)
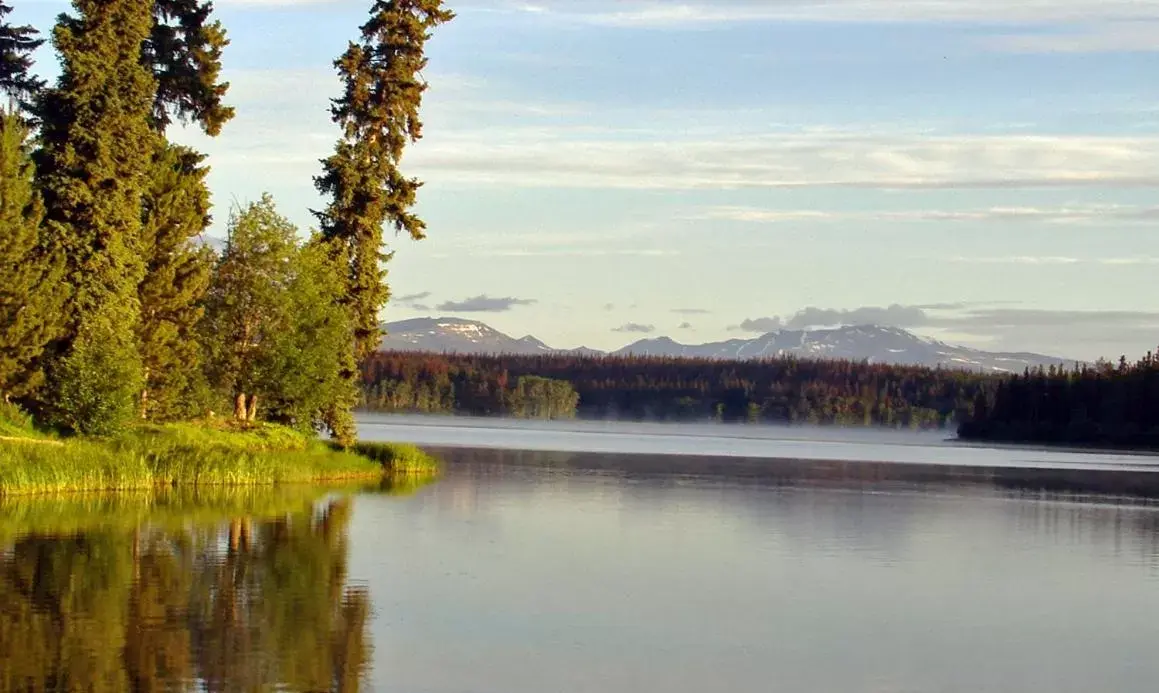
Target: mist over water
point(730, 440)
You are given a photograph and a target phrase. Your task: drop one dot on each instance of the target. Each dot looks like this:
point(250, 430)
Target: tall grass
point(399, 459)
point(176, 455)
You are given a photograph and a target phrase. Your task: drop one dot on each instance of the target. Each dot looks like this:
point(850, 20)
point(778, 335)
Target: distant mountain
point(858, 343)
point(455, 335)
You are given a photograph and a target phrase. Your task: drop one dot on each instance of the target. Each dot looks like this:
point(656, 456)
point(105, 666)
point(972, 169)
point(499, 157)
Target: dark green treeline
point(115, 309)
point(1107, 404)
point(244, 605)
point(780, 390)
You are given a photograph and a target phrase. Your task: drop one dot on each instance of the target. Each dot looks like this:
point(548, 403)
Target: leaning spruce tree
point(96, 150)
point(378, 113)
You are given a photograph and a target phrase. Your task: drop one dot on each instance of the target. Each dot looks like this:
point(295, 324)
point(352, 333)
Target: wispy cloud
point(683, 13)
point(1048, 260)
point(786, 160)
point(1084, 215)
point(485, 304)
point(636, 328)
point(691, 311)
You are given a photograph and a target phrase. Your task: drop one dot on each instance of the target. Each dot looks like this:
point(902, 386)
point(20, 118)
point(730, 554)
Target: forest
point(786, 390)
point(115, 311)
point(1113, 405)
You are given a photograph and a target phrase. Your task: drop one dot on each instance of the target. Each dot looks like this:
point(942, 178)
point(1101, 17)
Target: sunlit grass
point(399, 459)
point(176, 455)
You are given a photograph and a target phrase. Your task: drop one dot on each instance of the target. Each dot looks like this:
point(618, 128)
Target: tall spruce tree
point(378, 113)
point(178, 268)
point(16, 46)
point(31, 292)
point(97, 147)
point(184, 53)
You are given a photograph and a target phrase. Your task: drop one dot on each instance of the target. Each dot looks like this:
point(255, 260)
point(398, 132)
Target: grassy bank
point(188, 455)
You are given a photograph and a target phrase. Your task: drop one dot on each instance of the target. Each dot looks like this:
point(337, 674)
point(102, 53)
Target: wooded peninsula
point(120, 323)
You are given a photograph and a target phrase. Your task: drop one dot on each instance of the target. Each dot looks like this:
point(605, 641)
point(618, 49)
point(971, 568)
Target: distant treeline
point(785, 390)
point(1107, 404)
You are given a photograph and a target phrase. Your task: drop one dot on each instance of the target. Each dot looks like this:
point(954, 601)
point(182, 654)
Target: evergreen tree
point(31, 292)
point(184, 53)
point(16, 46)
point(378, 113)
point(176, 212)
point(97, 147)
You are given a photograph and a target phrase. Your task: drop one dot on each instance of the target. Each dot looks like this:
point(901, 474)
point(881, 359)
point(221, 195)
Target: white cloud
point(660, 13)
point(541, 157)
point(1074, 215)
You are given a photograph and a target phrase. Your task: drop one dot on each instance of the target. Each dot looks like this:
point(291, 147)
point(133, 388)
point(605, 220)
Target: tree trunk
point(239, 411)
point(253, 411)
point(145, 398)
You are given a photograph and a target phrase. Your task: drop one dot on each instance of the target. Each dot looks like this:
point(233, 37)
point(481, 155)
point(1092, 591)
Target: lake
point(583, 564)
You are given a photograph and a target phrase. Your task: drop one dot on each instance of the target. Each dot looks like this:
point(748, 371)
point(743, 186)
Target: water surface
point(513, 578)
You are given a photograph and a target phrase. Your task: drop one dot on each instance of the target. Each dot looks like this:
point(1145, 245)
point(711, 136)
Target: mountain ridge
point(872, 343)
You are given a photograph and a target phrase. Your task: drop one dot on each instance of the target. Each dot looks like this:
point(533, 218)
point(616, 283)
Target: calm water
point(512, 578)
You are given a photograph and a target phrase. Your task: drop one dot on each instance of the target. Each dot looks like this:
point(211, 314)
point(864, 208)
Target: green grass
point(189, 455)
point(399, 459)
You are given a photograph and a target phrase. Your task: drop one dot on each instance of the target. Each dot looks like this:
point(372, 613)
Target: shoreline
point(1114, 482)
point(196, 456)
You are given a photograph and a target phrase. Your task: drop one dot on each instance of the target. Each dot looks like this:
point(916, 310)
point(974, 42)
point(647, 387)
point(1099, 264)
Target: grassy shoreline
point(192, 455)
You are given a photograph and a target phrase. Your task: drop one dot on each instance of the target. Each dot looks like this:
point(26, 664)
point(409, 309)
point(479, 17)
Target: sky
point(596, 171)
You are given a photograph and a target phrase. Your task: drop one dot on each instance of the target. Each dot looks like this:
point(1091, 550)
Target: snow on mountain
point(861, 342)
point(455, 335)
point(858, 343)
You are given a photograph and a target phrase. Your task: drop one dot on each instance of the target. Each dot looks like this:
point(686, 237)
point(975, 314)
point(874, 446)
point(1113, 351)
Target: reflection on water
point(240, 603)
point(524, 574)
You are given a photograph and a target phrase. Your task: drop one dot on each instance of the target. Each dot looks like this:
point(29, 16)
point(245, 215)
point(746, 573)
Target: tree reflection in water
point(247, 605)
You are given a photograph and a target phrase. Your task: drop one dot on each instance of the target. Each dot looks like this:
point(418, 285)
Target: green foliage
point(399, 458)
point(14, 421)
point(97, 147)
point(308, 355)
point(378, 113)
point(783, 390)
point(534, 397)
point(31, 292)
point(1113, 405)
point(17, 44)
point(273, 325)
point(175, 212)
point(247, 304)
point(98, 380)
point(184, 53)
point(175, 455)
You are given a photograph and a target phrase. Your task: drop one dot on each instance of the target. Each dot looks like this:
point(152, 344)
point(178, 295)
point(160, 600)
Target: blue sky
point(598, 170)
